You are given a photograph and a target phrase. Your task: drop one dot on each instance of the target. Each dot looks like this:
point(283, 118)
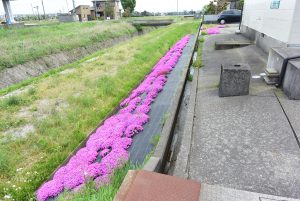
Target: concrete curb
point(124, 188)
point(161, 154)
point(181, 164)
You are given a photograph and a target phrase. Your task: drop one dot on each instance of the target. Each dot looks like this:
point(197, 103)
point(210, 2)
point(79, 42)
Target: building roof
point(106, 0)
point(79, 7)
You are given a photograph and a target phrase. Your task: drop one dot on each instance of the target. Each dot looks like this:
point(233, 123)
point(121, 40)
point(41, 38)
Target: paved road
point(246, 142)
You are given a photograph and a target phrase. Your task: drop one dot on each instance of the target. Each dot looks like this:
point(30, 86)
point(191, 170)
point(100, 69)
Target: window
point(237, 12)
point(275, 4)
point(228, 12)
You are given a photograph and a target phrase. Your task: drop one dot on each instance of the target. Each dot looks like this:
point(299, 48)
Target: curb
point(161, 154)
point(181, 164)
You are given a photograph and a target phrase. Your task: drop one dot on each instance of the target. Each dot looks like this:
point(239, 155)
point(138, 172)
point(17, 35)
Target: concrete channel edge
point(157, 162)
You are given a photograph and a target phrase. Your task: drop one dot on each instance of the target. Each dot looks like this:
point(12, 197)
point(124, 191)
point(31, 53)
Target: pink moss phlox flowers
point(50, 190)
point(111, 141)
point(213, 30)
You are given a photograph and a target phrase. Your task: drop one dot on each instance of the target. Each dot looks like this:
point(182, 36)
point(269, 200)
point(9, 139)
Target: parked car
point(229, 16)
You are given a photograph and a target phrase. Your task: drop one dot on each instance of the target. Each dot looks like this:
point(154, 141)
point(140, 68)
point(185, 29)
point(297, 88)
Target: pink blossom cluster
point(107, 148)
point(213, 30)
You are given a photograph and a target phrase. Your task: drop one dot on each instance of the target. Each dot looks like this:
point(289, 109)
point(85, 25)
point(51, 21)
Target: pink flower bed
point(213, 30)
point(107, 148)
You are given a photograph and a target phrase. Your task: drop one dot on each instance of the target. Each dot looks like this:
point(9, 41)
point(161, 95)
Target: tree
point(240, 4)
point(126, 13)
point(210, 8)
point(222, 5)
point(128, 4)
point(109, 11)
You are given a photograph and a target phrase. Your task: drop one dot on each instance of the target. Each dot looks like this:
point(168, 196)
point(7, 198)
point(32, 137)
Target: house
point(83, 12)
point(106, 9)
point(272, 23)
point(274, 26)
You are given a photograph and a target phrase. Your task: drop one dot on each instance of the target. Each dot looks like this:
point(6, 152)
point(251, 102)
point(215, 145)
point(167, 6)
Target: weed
point(203, 33)
point(13, 101)
point(190, 77)
point(164, 119)
point(139, 27)
point(155, 139)
point(4, 162)
point(31, 91)
point(199, 63)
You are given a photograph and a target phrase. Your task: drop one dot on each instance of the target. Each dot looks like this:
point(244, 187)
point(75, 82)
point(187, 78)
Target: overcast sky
point(54, 6)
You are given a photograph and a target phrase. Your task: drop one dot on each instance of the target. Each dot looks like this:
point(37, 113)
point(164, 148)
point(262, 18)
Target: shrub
point(13, 101)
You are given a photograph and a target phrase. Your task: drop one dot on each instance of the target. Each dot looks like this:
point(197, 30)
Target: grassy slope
point(65, 107)
point(21, 45)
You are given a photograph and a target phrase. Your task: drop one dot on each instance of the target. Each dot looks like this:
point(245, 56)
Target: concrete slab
point(292, 111)
point(180, 168)
point(291, 80)
point(244, 143)
point(223, 45)
point(150, 186)
point(218, 193)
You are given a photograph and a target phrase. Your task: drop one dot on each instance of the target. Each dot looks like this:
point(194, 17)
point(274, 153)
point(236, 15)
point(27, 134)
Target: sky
point(54, 6)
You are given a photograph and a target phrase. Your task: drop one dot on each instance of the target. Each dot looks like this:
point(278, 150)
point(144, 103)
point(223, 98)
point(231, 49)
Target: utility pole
point(32, 9)
point(177, 9)
point(74, 6)
point(37, 9)
point(44, 9)
point(67, 6)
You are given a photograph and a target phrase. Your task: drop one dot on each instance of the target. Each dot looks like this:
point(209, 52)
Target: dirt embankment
point(18, 73)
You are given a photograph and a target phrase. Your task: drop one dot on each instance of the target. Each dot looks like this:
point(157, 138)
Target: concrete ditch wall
point(162, 154)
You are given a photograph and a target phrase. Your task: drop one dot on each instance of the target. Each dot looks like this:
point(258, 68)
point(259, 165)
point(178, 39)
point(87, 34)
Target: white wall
point(282, 24)
point(295, 31)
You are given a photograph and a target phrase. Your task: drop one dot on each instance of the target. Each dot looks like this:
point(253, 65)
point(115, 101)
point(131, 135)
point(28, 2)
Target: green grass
point(12, 100)
point(190, 77)
point(18, 46)
point(155, 139)
point(199, 62)
point(64, 108)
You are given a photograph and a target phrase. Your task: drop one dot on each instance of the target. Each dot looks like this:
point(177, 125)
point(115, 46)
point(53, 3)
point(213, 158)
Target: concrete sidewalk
point(247, 143)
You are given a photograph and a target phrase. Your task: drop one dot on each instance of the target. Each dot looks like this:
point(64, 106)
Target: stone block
point(277, 55)
point(234, 80)
point(291, 82)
